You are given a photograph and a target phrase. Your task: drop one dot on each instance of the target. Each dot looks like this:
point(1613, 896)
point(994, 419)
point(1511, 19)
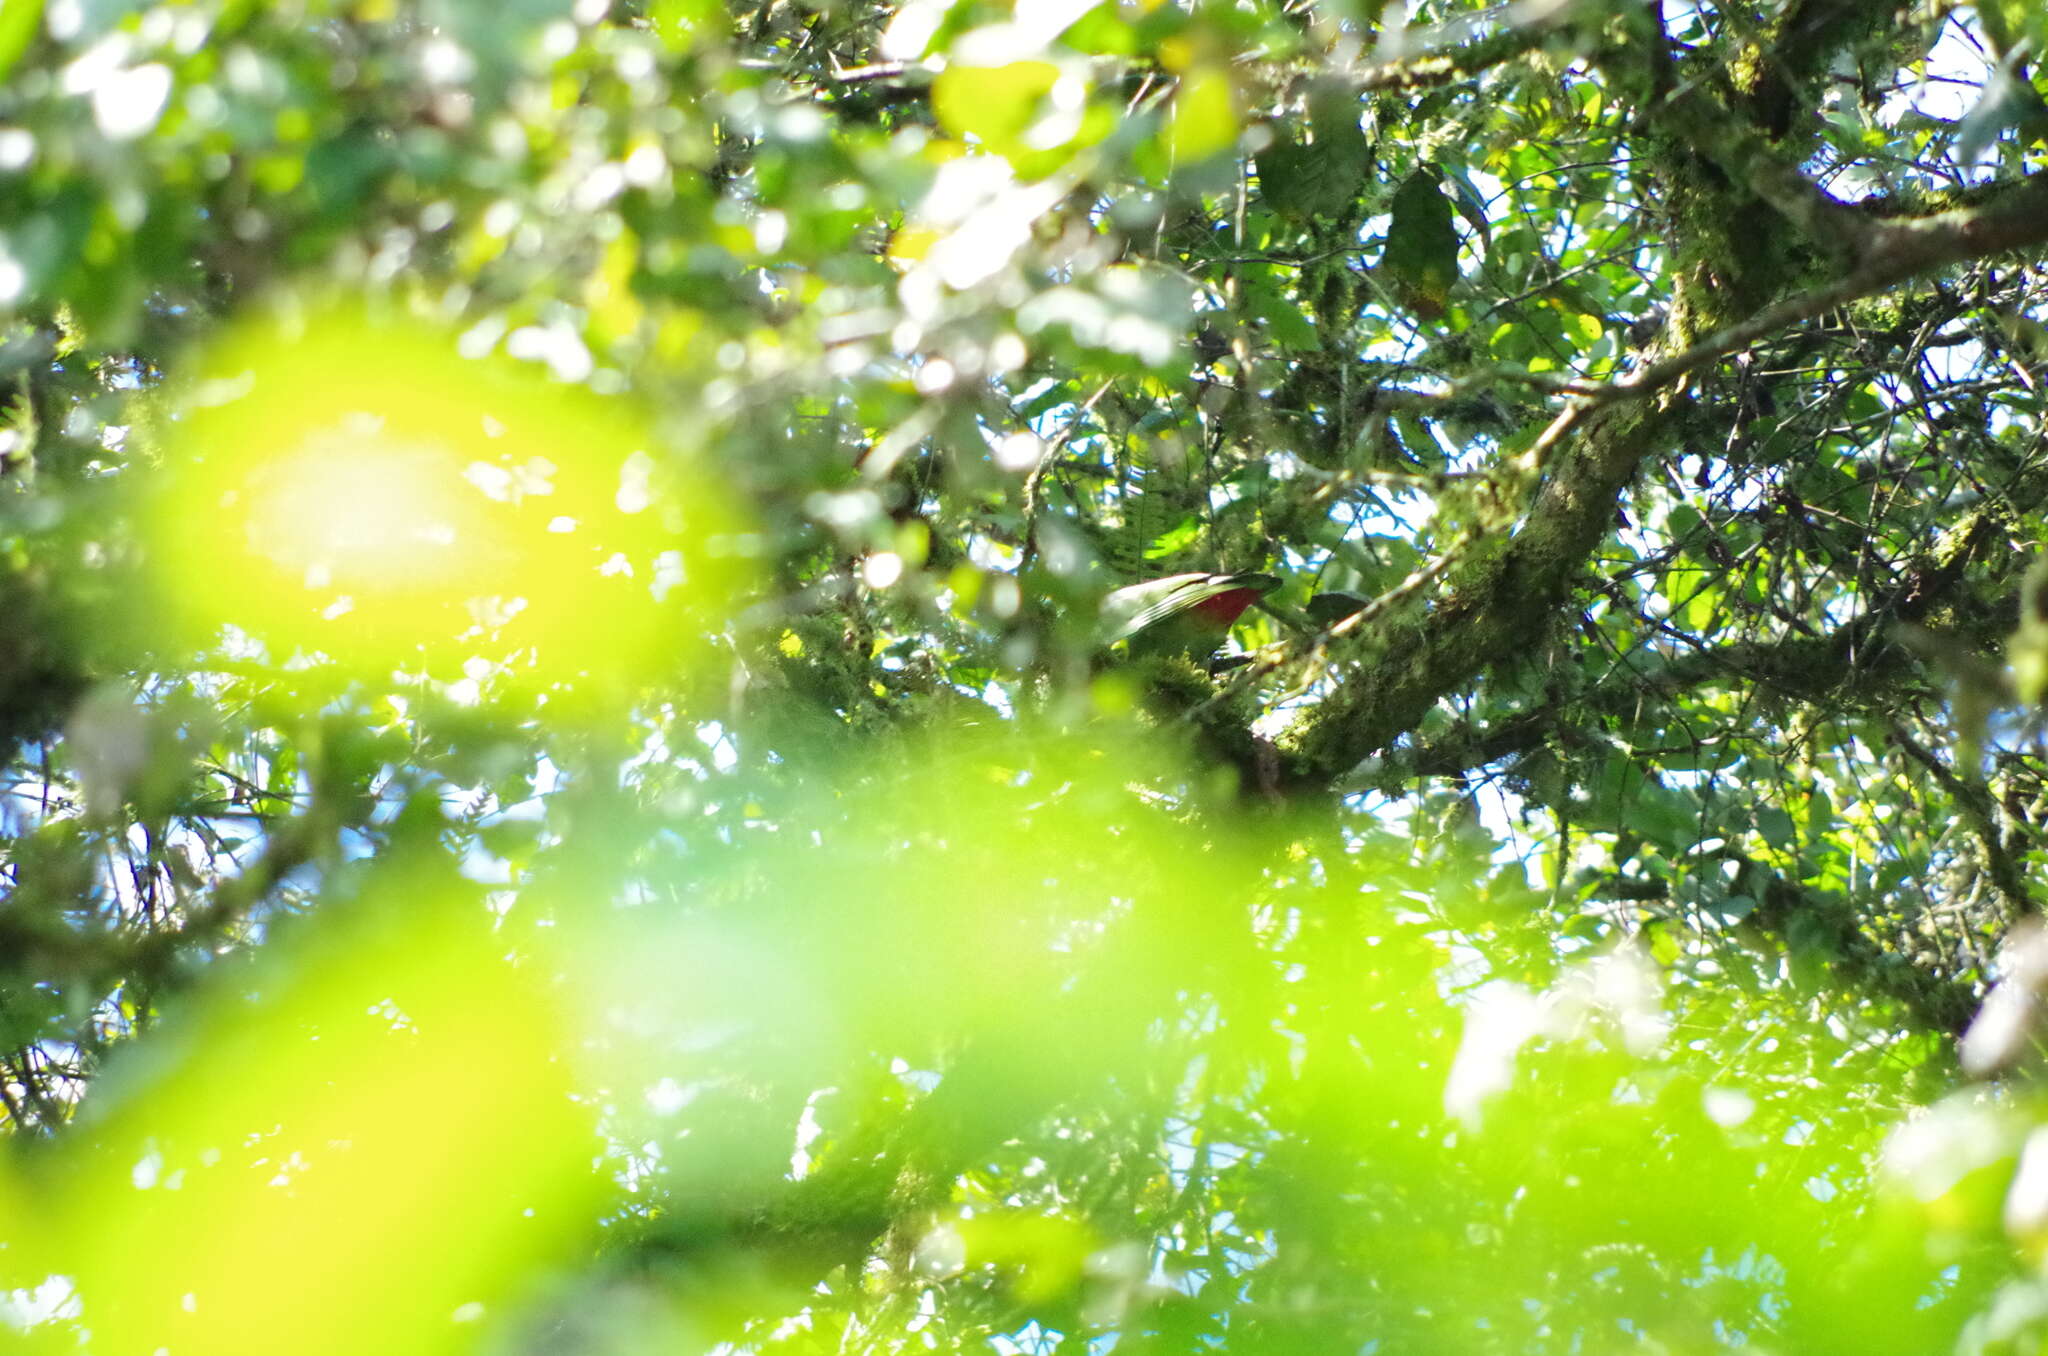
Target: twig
point(1045, 460)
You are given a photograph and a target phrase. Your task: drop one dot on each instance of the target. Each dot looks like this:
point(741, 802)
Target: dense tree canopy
point(570, 787)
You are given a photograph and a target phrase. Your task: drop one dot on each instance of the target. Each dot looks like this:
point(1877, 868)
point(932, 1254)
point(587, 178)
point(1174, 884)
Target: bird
point(1180, 614)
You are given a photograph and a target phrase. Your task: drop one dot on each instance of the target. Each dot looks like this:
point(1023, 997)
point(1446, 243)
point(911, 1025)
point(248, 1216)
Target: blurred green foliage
point(563, 792)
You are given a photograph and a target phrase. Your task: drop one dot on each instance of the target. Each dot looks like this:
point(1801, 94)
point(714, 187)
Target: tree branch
point(1892, 253)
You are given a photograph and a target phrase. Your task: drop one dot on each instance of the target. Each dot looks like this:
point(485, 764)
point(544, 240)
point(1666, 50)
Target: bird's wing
point(1131, 609)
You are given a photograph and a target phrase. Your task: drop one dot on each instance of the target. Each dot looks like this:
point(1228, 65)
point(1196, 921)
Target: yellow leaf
point(356, 489)
point(395, 1094)
point(1204, 116)
point(608, 294)
point(993, 104)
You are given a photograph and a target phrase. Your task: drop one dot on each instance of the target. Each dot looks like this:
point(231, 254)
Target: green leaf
point(19, 20)
point(1051, 398)
point(1820, 813)
point(1289, 180)
point(1421, 255)
point(1175, 539)
point(2009, 23)
point(1775, 825)
point(681, 24)
point(994, 105)
point(1733, 908)
point(1318, 177)
point(1289, 328)
point(1702, 609)
point(1204, 121)
point(2008, 101)
point(1102, 31)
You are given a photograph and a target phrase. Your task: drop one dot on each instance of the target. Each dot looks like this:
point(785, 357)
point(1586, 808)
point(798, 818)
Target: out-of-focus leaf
point(392, 1089)
point(2010, 23)
point(682, 23)
point(1175, 539)
point(1776, 826)
point(1283, 318)
point(356, 489)
point(994, 105)
point(1205, 119)
point(19, 20)
point(2008, 101)
point(1309, 180)
point(2027, 651)
point(1317, 178)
